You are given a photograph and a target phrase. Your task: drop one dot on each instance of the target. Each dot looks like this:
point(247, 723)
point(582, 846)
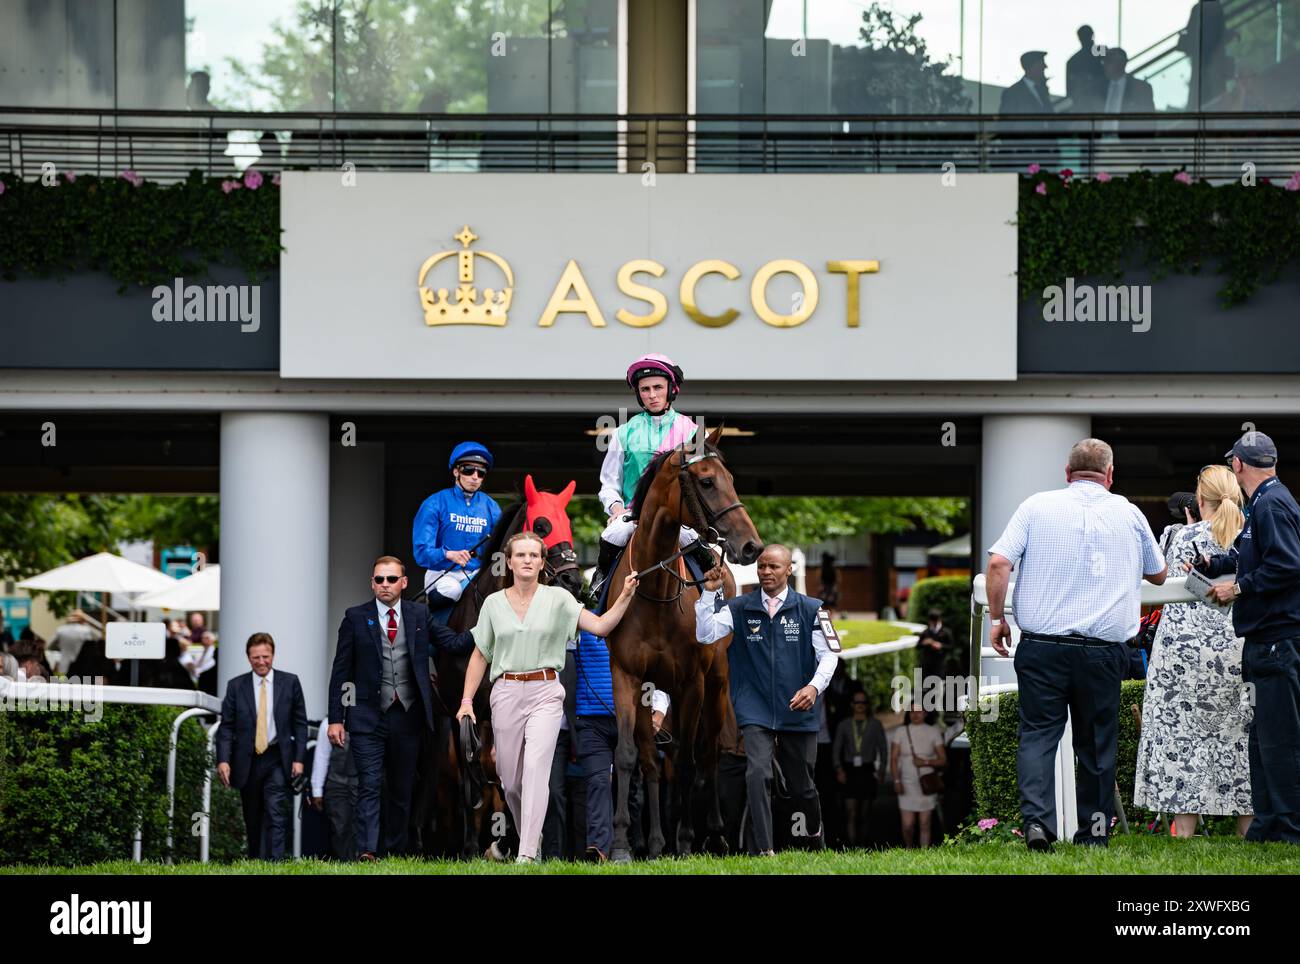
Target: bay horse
point(655, 641)
point(540, 512)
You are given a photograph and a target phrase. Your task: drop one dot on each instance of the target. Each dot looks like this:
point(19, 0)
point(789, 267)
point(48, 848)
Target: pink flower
point(988, 823)
point(1017, 831)
point(1066, 174)
point(1293, 184)
point(70, 176)
point(252, 179)
point(228, 186)
point(275, 179)
point(1103, 177)
point(133, 178)
point(2, 187)
point(1041, 189)
point(1182, 177)
point(1035, 168)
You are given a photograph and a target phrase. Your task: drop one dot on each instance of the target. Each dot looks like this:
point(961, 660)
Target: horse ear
point(567, 493)
point(530, 490)
point(715, 436)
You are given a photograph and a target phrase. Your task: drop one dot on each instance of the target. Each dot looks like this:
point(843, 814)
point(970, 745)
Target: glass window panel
point(56, 54)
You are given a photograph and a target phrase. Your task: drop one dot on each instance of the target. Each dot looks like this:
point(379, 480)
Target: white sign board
point(763, 279)
point(136, 641)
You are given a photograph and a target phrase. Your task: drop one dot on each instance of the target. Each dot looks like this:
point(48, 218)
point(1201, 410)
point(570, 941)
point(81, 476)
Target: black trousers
point(340, 808)
point(797, 755)
point(1054, 678)
point(597, 740)
point(1274, 741)
point(555, 827)
point(390, 751)
point(264, 798)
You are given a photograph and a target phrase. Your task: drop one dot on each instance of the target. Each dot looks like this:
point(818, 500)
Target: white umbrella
point(201, 591)
point(102, 572)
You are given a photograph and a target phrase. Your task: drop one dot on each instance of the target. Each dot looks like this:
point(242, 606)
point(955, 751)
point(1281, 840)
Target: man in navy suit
point(380, 691)
point(262, 745)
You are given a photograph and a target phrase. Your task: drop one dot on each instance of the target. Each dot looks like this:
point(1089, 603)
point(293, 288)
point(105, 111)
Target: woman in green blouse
point(521, 634)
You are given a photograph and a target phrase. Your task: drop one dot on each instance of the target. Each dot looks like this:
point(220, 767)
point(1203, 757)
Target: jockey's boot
point(604, 565)
point(699, 559)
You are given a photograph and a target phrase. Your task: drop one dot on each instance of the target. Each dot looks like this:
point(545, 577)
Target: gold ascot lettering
point(657, 300)
point(687, 291)
point(854, 270)
point(585, 303)
point(758, 292)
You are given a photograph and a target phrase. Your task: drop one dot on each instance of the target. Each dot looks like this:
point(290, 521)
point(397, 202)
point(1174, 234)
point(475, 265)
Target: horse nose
point(750, 551)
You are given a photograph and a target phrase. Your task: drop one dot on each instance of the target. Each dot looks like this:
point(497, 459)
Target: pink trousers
point(526, 724)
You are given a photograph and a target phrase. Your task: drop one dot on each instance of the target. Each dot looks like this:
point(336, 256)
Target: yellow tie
point(259, 741)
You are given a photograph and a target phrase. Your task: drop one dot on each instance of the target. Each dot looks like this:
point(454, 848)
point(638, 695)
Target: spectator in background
point(830, 589)
point(199, 657)
point(1085, 77)
point(1080, 555)
point(334, 791)
point(916, 751)
point(8, 666)
point(859, 756)
point(30, 656)
point(1266, 613)
point(1193, 757)
point(1205, 41)
point(168, 672)
point(935, 647)
point(1125, 94)
point(196, 95)
point(70, 638)
point(1029, 94)
point(6, 637)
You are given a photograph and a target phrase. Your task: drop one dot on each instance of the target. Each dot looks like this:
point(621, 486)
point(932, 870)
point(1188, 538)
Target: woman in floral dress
point(1192, 758)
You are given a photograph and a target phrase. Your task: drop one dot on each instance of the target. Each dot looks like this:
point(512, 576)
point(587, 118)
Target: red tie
point(392, 626)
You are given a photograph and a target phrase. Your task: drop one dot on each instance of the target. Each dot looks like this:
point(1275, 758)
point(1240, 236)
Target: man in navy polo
point(780, 663)
point(1266, 613)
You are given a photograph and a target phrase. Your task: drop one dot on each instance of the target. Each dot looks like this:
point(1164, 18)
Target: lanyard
point(858, 735)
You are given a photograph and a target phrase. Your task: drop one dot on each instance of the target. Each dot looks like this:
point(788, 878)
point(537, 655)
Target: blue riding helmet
point(470, 452)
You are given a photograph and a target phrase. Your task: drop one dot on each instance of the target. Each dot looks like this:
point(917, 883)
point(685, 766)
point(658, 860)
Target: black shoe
point(604, 563)
point(1037, 837)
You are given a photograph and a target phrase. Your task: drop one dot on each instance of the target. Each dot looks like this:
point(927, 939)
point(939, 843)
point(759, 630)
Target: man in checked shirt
point(1080, 555)
point(781, 659)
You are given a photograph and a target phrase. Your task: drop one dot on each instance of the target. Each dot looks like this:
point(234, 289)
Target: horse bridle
point(710, 536)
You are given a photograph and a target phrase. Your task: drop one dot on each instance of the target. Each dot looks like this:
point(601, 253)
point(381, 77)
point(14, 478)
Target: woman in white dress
point(916, 749)
point(1192, 758)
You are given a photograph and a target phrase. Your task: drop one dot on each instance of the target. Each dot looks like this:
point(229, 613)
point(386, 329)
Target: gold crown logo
point(464, 307)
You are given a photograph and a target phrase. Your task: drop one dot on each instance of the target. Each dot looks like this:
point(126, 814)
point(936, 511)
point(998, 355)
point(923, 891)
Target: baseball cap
point(1255, 448)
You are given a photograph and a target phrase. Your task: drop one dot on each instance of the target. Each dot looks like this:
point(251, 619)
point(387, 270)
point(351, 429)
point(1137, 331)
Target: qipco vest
point(770, 659)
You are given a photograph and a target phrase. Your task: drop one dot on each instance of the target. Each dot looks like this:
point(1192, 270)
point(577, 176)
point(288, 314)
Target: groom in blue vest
point(781, 659)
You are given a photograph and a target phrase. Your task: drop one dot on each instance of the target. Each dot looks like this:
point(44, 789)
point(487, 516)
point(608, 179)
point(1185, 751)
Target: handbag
point(932, 782)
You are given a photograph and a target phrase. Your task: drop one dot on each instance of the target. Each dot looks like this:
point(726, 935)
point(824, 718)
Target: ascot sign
point(535, 280)
point(572, 294)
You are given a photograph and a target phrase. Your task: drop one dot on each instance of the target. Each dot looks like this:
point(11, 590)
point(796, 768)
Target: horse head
point(547, 516)
point(703, 494)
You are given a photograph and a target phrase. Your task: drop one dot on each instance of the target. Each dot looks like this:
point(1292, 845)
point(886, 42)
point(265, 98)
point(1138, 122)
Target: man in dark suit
point(262, 745)
point(380, 690)
point(1085, 77)
point(1125, 94)
point(1029, 94)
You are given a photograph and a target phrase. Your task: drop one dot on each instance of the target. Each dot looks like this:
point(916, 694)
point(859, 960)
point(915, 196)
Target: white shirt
point(1079, 554)
point(198, 659)
point(270, 704)
point(711, 626)
point(320, 764)
point(382, 608)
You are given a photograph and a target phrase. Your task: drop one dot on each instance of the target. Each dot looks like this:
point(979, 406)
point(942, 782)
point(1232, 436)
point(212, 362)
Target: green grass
point(861, 632)
point(1126, 855)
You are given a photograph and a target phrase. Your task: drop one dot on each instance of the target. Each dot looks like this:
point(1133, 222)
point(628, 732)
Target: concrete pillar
point(356, 530)
point(1022, 454)
point(275, 476)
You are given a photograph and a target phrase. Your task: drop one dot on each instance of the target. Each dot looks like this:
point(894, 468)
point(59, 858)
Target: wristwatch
point(1236, 590)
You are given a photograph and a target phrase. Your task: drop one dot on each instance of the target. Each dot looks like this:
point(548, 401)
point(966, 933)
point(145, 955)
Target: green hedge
point(951, 596)
point(71, 790)
point(993, 755)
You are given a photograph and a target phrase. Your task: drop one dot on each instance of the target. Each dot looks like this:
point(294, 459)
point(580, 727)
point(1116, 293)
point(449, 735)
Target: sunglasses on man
point(380, 580)
point(472, 470)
